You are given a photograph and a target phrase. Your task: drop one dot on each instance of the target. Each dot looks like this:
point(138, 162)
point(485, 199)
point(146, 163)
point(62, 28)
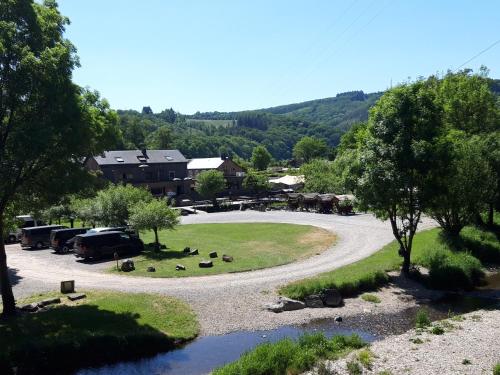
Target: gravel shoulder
point(471, 346)
point(226, 302)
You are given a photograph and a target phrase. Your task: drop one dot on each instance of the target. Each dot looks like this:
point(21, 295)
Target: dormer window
point(142, 159)
point(119, 159)
point(169, 158)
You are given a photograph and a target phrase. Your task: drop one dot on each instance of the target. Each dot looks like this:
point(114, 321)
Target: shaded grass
point(450, 267)
point(252, 245)
point(291, 357)
point(105, 327)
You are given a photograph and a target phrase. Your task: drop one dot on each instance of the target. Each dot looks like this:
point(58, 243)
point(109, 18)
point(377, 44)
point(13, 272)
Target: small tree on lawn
point(209, 184)
point(154, 215)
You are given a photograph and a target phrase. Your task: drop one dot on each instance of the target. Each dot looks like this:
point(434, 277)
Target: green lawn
point(252, 245)
point(451, 263)
point(104, 327)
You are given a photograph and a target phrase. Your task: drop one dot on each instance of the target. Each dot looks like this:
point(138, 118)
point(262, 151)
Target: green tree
point(116, 201)
point(87, 210)
point(467, 183)
point(319, 177)
point(161, 139)
point(400, 159)
point(309, 148)
point(209, 184)
point(153, 215)
point(47, 123)
point(260, 158)
point(256, 183)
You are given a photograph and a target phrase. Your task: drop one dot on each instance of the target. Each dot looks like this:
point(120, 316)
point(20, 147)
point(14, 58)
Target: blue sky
point(234, 55)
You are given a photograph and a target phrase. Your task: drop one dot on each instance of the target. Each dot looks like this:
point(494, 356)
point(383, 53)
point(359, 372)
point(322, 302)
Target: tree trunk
point(490, 214)
point(72, 222)
point(9, 303)
point(406, 262)
point(157, 242)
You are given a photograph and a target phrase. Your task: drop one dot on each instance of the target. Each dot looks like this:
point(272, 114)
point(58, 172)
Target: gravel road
point(225, 302)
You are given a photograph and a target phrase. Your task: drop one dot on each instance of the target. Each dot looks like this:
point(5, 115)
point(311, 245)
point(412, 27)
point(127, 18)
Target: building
point(233, 173)
point(288, 182)
point(164, 172)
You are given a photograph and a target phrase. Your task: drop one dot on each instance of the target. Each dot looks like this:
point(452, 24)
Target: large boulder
point(49, 301)
point(212, 254)
point(128, 265)
point(76, 296)
point(291, 304)
point(205, 264)
point(227, 258)
point(30, 307)
point(314, 301)
point(274, 307)
point(186, 250)
point(331, 297)
point(180, 267)
point(194, 252)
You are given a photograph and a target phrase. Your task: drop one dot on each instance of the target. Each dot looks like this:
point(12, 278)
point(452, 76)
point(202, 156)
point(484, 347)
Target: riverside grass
point(103, 328)
point(291, 357)
point(252, 245)
point(452, 264)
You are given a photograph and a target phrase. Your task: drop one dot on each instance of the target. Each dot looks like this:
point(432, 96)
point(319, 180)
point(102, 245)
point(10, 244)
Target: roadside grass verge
point(252, 246)
point(291, 357)
point(103, 328)
point(450, 266)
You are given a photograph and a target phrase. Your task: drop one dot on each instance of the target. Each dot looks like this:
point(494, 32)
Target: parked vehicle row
point(86, 243)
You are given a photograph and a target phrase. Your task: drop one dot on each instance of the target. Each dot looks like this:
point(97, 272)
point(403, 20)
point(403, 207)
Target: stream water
point(209, 352)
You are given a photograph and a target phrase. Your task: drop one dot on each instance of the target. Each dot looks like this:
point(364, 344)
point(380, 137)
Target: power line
point(479, 54)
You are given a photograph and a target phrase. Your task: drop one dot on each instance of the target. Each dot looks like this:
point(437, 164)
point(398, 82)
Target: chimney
point(144, 152)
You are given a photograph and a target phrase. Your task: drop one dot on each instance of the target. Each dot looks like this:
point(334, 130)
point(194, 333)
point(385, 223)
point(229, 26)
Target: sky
point(230, 55)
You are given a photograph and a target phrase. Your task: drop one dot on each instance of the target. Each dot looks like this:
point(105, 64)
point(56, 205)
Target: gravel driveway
point(225, 302)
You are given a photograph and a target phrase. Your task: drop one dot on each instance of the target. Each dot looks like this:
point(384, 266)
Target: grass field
point(456, 264)
point(104, 327)
point(252, 245)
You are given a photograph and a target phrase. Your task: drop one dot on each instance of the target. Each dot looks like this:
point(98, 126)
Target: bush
point(291, 357)
point(422, 319)
point(354, 368)
point(449, 270)
point(437, 330)
point(496, 369)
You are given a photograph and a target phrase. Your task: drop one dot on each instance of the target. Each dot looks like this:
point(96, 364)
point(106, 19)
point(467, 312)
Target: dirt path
point(224, 302)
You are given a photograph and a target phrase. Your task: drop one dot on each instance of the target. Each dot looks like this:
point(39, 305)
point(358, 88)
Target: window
point(142, 159)
point(171, 175)
point(169, 158)
point(124, 236)
point(119, 159)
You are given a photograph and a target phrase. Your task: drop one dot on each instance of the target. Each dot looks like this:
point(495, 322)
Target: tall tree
point(309, 148)
point(467, 183)
point(261, 158)
point(154, 215)
point(400, 158)
point(47, 123)
point(256, 183)
point(209, 184)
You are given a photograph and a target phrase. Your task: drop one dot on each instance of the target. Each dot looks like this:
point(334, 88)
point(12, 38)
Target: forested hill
point(278, 128)
point(212, 134)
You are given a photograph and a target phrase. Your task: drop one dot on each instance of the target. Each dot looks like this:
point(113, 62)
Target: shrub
point(365, 357)
point(466, 361)
point(450, 270)
point(437, 330)
point(370, 298)
point(422, 319)
point(496, 369)
point(354, 368)
point(289, 357)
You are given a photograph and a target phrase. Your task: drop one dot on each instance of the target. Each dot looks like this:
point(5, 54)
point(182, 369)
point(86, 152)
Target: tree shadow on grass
point(164, 254)
point(65, 338)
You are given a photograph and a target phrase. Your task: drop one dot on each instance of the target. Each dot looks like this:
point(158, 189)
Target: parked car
point(38, 237)
point(100, 244)
point(23, 221)
point(61, 240)
point(128, 230)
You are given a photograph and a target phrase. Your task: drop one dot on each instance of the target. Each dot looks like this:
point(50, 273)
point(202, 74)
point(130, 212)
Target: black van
point(60, 239)
point(98, 245)
point(38, 237)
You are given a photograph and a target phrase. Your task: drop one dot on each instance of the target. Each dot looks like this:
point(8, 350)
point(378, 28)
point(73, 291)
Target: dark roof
point(104, 233)
point(131, 157)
